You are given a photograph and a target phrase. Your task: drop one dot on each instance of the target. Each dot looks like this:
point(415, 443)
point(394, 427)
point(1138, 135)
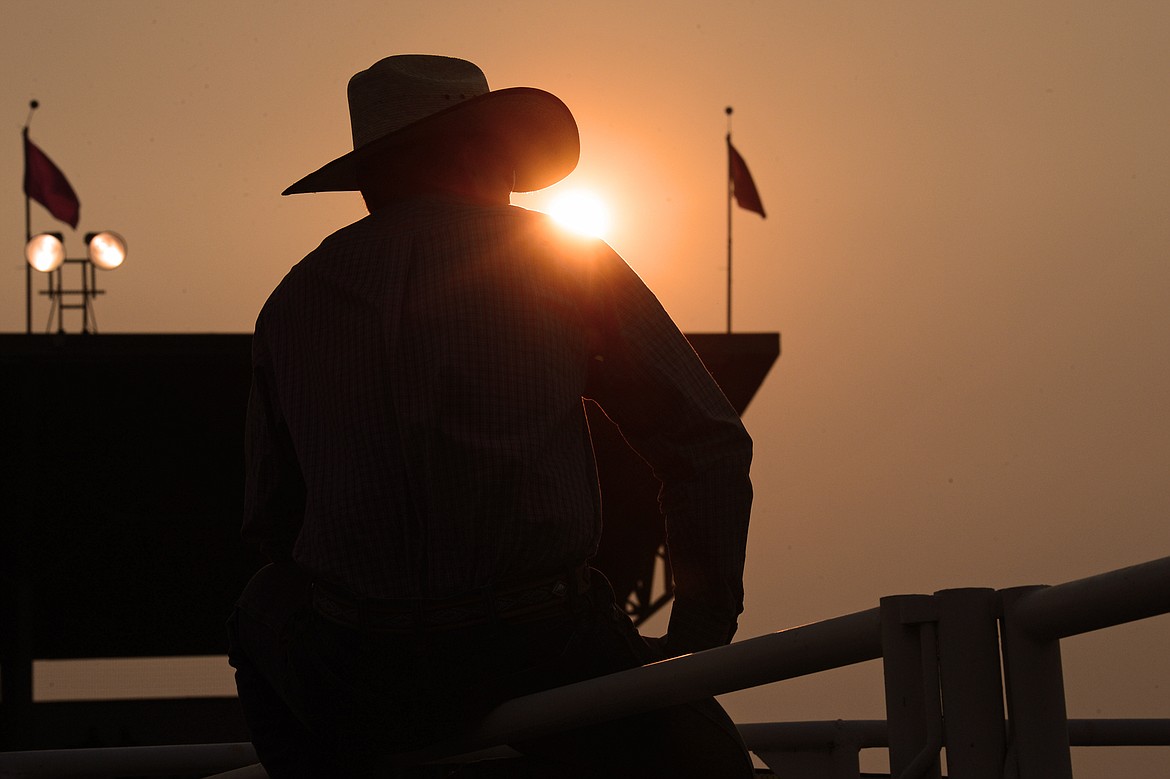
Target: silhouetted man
point(419, 468)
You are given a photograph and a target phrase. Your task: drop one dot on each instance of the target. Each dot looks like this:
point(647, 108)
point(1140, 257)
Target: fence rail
point(1097, 602)
point(944, 647)
point(800, 651)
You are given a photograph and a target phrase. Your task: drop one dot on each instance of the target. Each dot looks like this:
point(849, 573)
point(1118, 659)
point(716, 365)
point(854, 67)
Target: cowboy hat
point(403, 99)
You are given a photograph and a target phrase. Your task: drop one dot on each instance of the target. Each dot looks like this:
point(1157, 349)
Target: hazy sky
point(965, 253)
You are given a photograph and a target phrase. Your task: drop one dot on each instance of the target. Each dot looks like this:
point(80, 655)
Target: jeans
point(327, 700)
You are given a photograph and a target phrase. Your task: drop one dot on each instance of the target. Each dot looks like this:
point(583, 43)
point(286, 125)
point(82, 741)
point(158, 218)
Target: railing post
point(1037, 716)
point(972, 694)
point(911, 714)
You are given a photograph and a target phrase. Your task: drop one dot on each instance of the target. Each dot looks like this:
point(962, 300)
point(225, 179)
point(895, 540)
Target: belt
point(512, 603)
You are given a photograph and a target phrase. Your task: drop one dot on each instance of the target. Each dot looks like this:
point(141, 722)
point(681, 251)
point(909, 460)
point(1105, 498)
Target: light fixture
point(45, 252)
point(107, 250)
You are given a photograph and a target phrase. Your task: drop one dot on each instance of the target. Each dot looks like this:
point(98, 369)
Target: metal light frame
point(105, 250)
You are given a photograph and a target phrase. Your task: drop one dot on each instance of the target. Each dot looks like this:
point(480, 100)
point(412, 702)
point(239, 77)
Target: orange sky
point(965, 253)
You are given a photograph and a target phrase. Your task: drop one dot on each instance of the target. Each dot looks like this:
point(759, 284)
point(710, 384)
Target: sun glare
point(580, 211)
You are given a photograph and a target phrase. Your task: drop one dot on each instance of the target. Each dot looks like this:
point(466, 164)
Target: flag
point(45, 183)
point(742, 185)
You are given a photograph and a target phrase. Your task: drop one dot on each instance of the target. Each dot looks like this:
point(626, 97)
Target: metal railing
point(1034, 619)
point(950, 662)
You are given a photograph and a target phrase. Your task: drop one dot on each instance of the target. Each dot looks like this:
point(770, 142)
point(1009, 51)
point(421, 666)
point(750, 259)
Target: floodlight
point(45, 252)
point(107, 250)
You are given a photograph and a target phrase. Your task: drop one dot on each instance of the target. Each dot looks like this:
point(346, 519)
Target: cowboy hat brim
point(532, 127)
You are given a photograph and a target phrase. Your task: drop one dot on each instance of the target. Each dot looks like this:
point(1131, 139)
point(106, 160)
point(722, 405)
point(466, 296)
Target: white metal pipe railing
point(872, 734)
point(98, 762)
point(832, 735)
point(236, 760)
point(1033, 620)
point(912, 715)
point(1037, 712)
point(799, 651)
point(1119, 732)
point(1096, 602)
point(971, 688)
point(823, 734)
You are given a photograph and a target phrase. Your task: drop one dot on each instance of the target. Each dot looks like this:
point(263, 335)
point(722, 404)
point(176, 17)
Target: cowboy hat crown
point(401, 100)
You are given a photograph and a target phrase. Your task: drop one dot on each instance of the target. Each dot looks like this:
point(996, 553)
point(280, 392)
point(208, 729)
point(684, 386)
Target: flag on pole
point(742, 185)
point(45, 183)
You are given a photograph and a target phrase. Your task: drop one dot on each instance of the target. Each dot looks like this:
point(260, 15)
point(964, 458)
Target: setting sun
point(580, 211)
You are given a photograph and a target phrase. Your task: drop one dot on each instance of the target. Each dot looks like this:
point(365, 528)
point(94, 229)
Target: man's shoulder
point(360, 231)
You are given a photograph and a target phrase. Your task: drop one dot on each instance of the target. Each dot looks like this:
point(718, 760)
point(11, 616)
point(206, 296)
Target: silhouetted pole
point(28, 295)
point(729, 194)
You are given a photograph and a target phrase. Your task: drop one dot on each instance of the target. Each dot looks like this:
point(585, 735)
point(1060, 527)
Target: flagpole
point(28, 295)
point(728, 110)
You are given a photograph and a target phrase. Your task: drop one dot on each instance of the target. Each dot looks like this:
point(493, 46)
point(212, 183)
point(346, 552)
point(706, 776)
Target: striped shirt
point(416, 428)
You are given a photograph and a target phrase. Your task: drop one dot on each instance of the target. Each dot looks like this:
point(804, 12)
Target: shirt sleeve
point(654, 387)
point(274, 488)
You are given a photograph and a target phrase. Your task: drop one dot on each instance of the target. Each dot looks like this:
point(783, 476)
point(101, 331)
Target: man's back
point(428, 363)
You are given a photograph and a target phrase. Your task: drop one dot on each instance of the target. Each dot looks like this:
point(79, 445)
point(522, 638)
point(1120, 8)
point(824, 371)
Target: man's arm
point(274, 488)
point(657, 391)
